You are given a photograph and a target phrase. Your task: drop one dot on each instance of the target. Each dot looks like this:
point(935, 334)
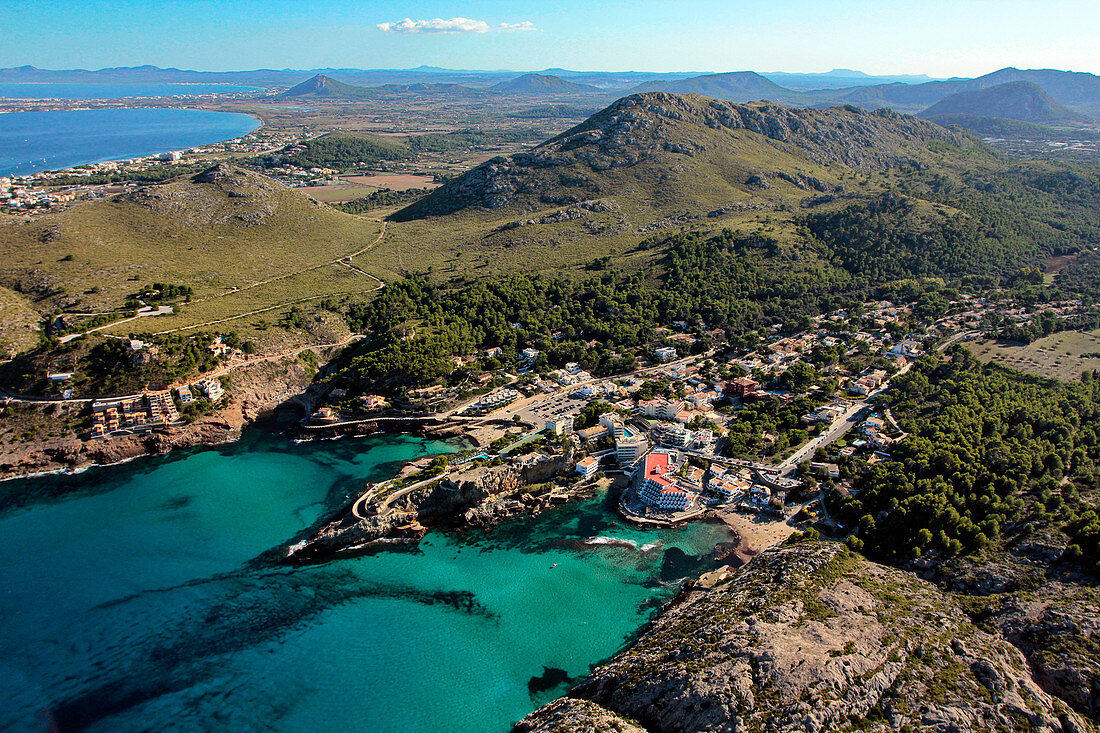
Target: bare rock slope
point(809, 637)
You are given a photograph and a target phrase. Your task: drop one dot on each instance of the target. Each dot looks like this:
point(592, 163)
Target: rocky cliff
point(808, 637)
point(256, 391)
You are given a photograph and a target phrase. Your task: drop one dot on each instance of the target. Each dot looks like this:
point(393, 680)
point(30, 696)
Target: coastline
point(257, 393)
point(113, 158)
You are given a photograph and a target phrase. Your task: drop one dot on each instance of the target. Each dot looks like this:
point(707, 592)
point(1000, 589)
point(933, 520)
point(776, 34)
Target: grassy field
point(1060, 356)
point(18, 322)
point(250, 310)
point(395, 181)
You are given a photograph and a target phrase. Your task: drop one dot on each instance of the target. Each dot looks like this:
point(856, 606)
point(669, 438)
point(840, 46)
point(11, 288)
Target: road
point(851, 417)
point(163, 310)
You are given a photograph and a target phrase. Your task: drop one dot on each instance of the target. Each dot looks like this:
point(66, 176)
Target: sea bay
point(31, 142)
point(139, 597)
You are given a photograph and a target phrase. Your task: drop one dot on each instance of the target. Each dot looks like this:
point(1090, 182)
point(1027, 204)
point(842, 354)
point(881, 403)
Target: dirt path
point(284, 276)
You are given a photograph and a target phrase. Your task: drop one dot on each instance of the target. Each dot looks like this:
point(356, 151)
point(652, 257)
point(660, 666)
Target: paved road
point(840, 427)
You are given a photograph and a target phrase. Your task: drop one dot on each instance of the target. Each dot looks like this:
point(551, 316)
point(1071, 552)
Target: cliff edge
point(809, 637)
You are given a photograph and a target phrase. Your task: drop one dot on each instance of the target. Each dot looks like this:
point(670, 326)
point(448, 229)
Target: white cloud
point(453, 25)
point(514, 27)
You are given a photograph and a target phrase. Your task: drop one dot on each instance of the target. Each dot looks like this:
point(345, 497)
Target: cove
point(133, 600)
point(32, 142)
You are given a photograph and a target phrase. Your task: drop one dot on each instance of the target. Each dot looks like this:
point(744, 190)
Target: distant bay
point(112, 91)
point(31, 142)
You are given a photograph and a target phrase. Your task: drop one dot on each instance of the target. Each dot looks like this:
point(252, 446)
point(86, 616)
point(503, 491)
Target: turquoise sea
point(32, 142)
point(139, 597)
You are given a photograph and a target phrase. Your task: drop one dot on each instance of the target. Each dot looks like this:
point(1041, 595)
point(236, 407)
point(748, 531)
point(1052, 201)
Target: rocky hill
point(1077, 90)
point(736, 86)
point(542, 84)
point(808, 637)
point(661, 150)
point(1015, 100)
point(221, 228)
point(323, 87)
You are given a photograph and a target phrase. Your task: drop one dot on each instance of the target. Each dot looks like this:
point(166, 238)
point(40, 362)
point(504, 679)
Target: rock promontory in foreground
point(810, 637)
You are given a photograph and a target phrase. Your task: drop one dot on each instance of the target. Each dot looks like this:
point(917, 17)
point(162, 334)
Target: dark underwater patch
point(550, 679)
point(219, 617)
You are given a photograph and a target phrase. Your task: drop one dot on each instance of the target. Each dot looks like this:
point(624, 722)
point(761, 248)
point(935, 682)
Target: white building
point(497, 399)
point(629, 450)
point(212, 388)
point(665, 353)
point(677, 436)
point(530, 354)
point(586, 467)
point(559, 426)
point(613, 423)
point(907, 348)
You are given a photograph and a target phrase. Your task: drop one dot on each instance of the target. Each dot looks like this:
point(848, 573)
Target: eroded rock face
point(1058, 629)
point(575, 716)
point(808, 637)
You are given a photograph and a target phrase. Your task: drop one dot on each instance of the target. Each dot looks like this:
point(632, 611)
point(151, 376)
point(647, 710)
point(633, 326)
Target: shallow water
point(131, 600)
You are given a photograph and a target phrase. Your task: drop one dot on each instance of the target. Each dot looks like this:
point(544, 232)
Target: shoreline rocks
point(809, 637)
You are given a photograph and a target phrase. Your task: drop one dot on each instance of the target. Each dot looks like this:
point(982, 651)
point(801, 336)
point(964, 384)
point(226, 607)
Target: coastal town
point(689, 433)
point(50, 191)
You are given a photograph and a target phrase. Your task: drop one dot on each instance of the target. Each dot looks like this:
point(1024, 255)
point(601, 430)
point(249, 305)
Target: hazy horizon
point(942, 39)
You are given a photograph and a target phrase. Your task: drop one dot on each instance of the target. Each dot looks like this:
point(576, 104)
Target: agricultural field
point(394, 181)
point(1058, 356)
point(339, 193)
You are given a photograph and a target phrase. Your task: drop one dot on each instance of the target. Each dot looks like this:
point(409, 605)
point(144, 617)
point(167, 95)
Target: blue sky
point(937, 37)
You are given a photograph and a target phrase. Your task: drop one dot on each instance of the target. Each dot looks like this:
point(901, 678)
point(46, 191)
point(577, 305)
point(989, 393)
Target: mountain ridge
point(654, 142)
point(1015, 100)
point(542, 84)
point(734, 86)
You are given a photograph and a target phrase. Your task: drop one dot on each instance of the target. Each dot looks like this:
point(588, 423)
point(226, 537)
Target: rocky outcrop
point(256, 390)
point(1057, 627)
point(479, 497)
point(808, 637)
point(222, 194)
point(575, 716)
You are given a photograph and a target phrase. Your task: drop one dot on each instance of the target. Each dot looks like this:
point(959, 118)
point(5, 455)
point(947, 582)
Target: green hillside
point(667, 152)
point(1017, 100)
point(225, 228)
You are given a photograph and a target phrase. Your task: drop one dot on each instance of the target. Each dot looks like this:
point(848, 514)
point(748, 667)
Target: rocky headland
point(477, 497)
point(810, 637)
point(257, 392)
